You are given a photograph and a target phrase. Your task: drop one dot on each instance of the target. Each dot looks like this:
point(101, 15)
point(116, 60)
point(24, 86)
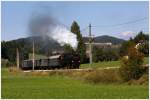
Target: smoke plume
point(45, 25)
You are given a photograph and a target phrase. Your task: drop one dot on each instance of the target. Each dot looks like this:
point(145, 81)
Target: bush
point(131, 67)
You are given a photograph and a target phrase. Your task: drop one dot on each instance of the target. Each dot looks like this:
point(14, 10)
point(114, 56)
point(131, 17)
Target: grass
point(146, 60)
point(18, 85)
point(109, 64)
point(102, 64)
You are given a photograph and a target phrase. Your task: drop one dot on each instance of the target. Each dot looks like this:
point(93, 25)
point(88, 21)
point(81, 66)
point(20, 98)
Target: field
point(109, 64)
point(19, 85)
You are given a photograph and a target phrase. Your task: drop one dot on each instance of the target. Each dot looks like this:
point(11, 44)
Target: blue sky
point(16, 15)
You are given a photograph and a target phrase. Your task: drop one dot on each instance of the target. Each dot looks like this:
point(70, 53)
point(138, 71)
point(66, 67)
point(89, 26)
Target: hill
point(104, 39)
point(43, 45)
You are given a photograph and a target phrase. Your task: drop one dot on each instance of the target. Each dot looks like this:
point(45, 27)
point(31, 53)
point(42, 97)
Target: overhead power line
point(129, 22)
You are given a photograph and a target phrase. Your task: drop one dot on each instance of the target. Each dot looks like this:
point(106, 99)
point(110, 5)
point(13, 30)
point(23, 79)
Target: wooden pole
point(17, 59)
point(90, 45)
point(33, 57)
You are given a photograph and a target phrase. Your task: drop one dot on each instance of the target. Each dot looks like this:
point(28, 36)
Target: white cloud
point(127, 33)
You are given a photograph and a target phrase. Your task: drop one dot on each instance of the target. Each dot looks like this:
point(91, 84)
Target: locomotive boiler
point(62, 61)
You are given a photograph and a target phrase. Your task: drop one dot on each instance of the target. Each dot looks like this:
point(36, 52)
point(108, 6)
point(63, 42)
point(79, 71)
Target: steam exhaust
point(45, 25)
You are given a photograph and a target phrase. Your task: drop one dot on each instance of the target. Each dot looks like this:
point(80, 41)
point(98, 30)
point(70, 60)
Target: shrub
point(131, 67)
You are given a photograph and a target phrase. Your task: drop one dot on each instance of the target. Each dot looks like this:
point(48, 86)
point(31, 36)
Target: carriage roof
point(55, 56)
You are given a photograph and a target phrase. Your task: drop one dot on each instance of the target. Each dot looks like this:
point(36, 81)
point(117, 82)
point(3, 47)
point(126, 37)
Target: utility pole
point(17, 58)
point(33, 57)
point(90, 45)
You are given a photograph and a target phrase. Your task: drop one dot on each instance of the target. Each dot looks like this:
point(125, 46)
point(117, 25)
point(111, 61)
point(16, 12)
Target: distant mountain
point(46, 44)
point(104, 39)
point(43, 45)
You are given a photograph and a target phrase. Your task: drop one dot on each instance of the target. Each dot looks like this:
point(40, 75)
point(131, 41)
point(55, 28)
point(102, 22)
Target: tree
point(131, 67)
point(124, 47)
point(111, 55)
point(81, 49)
point(140, 37)
point(97, 54)
point(144, 48)
point(4, 50)
point(68, 49)
point(9, 50)
point(144, 40)
point(104, 54)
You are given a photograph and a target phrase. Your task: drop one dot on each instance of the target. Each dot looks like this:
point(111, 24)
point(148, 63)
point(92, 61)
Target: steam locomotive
point(62, 61)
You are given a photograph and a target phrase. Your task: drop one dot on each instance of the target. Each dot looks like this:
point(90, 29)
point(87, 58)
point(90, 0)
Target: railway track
point(63, 70)
point(58, 70)
point(83, 69)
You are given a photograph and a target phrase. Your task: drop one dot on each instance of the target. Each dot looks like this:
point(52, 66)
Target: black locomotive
point(62, 61)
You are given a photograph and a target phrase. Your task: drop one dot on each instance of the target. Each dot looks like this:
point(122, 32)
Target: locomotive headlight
point(72, 61)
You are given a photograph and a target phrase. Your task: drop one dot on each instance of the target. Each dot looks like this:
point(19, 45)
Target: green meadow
point(20, 85)
point(109, 64)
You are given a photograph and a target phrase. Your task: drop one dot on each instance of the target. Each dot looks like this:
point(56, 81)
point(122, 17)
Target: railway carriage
point(65, 60)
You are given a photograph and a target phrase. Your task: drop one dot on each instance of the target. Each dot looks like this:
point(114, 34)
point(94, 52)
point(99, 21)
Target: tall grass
point(103, 76)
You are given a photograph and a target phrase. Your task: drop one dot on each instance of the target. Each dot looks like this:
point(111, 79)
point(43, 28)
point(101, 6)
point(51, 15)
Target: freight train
point(62, 61)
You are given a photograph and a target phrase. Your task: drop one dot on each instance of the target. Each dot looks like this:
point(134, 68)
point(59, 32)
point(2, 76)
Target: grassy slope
point(109, 64)
point(20, 86)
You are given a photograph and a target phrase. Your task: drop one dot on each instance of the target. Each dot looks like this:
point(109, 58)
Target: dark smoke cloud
point(45, 25)
point(41, 24)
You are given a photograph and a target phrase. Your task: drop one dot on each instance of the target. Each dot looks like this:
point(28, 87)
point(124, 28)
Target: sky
point(122, 19)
